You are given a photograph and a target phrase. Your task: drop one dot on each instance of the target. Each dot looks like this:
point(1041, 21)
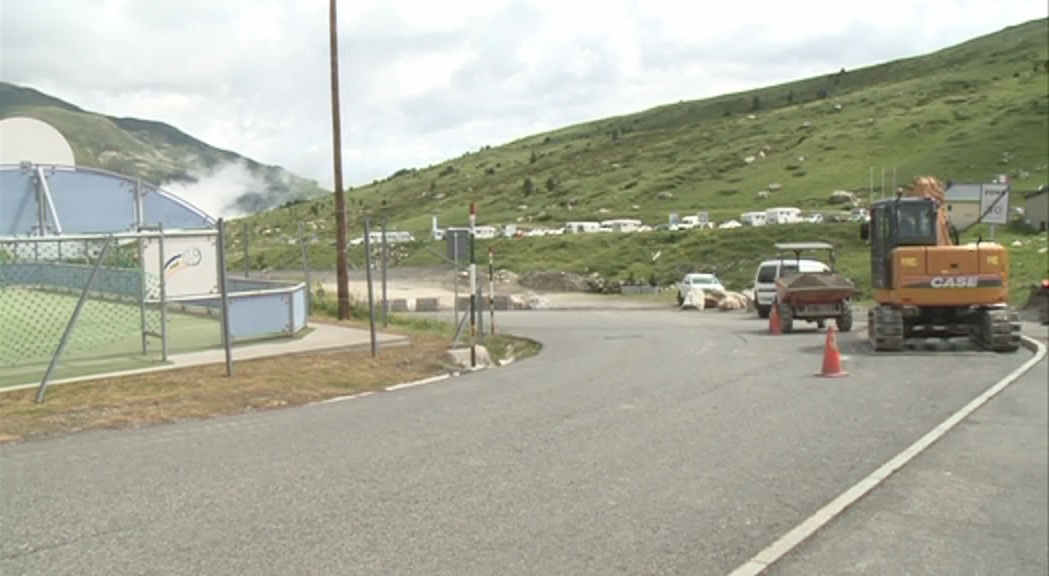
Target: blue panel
point(159, 207)
point(298, 302)
point(258, 316)
point(90, 201)
point(18, 210)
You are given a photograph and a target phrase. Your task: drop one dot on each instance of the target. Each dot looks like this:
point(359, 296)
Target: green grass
point(966, 113)
point(107, 336)
point(952, 114)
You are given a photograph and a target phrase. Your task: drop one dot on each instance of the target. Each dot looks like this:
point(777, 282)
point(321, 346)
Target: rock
point(775, 186)
point(842, 197)
point(665, 195)
point(459, 358)
point(694, 298)
point(749, 160)
point(763, 193)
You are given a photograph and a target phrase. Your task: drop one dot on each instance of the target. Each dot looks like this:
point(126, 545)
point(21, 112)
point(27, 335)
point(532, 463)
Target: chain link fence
point(88, 305)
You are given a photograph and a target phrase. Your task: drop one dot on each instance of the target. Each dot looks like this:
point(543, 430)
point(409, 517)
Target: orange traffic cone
point(832, 357)
point(774, 327)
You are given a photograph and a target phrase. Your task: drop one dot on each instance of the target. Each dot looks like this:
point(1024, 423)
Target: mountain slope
point(154, 151)
point(966, 113)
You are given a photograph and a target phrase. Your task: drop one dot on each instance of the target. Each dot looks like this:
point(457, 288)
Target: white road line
point(344, 398)
point(810, 525)
point(422, 382)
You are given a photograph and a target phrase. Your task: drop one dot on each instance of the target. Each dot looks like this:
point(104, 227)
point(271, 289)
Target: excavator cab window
point(915, 223)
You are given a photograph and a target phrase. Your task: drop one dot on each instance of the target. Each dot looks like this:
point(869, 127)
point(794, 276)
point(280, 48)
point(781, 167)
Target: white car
point(704, 281)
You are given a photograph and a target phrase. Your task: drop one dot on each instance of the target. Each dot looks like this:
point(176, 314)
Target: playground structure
point(101, 271)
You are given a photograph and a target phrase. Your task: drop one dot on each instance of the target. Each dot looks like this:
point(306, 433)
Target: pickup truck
point(704, 281)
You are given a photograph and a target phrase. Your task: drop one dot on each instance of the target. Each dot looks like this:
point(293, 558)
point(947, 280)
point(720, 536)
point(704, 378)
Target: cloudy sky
point(425, 81)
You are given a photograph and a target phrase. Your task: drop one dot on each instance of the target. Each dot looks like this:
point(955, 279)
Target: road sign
point(457, 241)
point(994, 203)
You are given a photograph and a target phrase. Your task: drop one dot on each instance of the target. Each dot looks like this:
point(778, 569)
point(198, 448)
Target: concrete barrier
point(399, 305)
point(427, 304)
point(503, 302)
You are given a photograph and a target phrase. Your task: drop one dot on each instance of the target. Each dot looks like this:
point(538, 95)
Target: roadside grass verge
point(259, 384)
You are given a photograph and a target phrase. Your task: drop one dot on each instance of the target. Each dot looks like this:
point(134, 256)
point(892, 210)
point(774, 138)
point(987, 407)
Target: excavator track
point(997, 329)
point(885, 328)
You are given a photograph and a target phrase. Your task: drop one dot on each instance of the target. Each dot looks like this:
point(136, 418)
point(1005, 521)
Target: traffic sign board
point(994, 203)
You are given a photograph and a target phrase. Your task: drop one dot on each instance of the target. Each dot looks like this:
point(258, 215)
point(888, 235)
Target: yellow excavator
point(926, 284)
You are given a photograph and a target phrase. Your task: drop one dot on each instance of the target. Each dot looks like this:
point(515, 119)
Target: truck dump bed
point(814, 288)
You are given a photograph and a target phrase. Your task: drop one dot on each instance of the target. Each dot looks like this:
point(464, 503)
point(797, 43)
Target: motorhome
point(783, 215)
point(622, 225)
point(578, 227)
point(753, 218)
point(392, 237)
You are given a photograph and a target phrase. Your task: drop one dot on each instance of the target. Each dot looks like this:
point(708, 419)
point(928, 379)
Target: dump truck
point(814, 297)
point(926, 284)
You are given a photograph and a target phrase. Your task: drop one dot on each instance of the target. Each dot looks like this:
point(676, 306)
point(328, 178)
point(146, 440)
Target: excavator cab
point(899, 222)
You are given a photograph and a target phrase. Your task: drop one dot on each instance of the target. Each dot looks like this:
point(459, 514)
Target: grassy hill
point(966, 113)
point(153, 151)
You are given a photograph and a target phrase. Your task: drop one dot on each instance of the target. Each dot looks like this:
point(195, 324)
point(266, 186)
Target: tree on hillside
point(529, 187)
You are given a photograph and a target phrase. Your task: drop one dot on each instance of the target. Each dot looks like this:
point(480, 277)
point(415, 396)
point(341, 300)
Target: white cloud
point(422, 82)
point(216, 193)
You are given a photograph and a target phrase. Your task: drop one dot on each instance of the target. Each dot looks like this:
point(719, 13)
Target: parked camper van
point(769, 270)
point(783, 215)
point(580, 227)
point(753, 218)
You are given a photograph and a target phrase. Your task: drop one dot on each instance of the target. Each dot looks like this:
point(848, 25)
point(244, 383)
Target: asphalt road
point(638, 442)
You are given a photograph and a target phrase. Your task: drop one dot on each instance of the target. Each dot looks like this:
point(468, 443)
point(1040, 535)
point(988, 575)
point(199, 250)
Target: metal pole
point(220, 253)
point(306, 268)
point(163, 297)
point(142, 277)
point(385, 264)
point(480, 314)
point(871, 186)
point(455, 276)
point(247, 260)
point(473, 287)
point(342, 274)
point(491, 289)
point(894, 181)
point(882, 182)
point(368, 272)
point(139, 224)
point(73, 320)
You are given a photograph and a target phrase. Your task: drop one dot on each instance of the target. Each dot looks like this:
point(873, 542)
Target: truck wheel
point(786, 318)
point(844, 321)
point(764, 311)
point(680, 299)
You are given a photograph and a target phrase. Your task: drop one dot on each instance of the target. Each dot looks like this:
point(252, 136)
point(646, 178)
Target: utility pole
point(341, 271)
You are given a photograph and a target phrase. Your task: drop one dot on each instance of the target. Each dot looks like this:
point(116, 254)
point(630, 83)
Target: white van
point(769, 270)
